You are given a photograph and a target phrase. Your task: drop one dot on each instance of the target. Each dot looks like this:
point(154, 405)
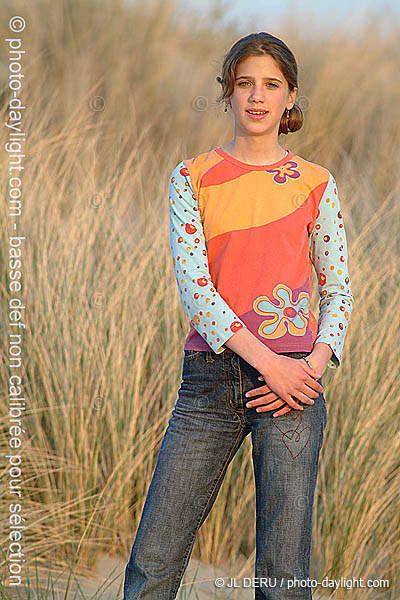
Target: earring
point(226, 108)
point(287, 113)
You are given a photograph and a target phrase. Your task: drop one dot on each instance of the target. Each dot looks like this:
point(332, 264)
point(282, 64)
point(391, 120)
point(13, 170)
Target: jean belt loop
point(209, 357)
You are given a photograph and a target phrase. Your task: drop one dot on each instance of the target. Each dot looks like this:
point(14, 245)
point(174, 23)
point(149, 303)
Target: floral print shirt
point(244, 241)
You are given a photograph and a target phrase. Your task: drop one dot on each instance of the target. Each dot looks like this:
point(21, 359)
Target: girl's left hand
point(270, 400)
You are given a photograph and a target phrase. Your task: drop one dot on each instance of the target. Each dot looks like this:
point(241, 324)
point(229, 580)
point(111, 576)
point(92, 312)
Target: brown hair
point(260, 44)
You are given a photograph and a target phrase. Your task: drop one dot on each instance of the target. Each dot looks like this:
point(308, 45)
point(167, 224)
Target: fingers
point(311, 383)
point(317, 387)
point(273, 401)
point(307, 393)
point(268, 400)
point(309, 368)
point(286, 409)
point(273, 405)
point(263, 389)
point(312, 373)
point(305, 398)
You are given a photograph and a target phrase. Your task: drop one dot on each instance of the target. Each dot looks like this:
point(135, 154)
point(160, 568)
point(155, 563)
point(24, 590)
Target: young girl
point(247, 222)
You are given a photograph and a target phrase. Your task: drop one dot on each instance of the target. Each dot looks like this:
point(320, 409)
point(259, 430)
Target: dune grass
point(116, 96)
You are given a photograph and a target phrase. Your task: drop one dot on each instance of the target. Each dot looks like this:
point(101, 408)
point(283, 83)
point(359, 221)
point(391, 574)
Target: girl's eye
point(270, 83)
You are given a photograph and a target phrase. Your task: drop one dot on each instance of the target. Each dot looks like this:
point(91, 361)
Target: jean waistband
point(211, 356)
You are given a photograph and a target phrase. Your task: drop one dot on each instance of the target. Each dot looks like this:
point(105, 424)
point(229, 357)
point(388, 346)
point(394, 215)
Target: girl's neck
point(241, 152)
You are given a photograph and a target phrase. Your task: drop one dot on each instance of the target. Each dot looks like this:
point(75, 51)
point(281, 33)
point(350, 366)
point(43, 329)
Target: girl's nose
point(256, 95)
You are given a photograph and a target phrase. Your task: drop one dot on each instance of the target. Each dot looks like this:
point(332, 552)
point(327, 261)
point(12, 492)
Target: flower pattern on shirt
point(289, 169)
point(251, 250)
point(287, 315)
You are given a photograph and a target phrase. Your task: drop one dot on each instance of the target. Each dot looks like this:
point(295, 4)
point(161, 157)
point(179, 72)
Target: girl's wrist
point(319, 356)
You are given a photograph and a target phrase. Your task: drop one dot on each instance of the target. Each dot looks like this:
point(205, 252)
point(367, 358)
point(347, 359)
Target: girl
point(247, 223)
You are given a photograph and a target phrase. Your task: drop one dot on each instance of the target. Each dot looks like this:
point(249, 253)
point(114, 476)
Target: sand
point(198, 583)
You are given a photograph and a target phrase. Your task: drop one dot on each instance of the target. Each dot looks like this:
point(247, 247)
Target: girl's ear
point(293, 94)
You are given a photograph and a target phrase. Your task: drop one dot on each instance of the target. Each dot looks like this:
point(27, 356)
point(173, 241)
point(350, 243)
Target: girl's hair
point(261, 44)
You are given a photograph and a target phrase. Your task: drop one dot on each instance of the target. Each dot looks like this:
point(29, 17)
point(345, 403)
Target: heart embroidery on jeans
point(297, 439)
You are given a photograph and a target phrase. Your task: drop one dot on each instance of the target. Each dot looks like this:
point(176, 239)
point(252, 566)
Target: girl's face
point(260, 84)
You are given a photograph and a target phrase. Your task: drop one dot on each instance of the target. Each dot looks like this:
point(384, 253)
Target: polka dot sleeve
point(207, 311)
point(329, 257)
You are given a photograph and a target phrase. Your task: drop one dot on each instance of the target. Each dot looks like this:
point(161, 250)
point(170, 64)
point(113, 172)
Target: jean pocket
point(193, 354)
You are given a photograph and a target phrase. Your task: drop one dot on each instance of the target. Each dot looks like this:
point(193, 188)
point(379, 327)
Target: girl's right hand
point(288, 380)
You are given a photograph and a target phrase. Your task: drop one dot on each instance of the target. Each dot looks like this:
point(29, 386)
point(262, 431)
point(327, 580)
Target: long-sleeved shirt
point(243, 241)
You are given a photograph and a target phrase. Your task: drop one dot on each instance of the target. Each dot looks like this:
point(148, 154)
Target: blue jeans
point(208, 424)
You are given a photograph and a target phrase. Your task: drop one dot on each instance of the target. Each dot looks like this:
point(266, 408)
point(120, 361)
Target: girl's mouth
point(257, 115)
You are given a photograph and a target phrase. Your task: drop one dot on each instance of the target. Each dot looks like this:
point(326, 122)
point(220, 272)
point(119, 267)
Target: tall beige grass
point(104, 324)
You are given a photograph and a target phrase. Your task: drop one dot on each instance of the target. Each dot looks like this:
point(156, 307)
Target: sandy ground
point(198, 582)
point(107, 584)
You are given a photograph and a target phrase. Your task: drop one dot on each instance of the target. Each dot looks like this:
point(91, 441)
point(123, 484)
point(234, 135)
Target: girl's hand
point(286, 385)
point(269, 398)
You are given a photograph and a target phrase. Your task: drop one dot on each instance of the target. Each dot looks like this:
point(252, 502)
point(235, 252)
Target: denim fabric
point(207, 426)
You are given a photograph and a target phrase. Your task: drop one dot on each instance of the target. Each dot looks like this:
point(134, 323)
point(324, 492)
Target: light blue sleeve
point(207, 311)
point(328, 247)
